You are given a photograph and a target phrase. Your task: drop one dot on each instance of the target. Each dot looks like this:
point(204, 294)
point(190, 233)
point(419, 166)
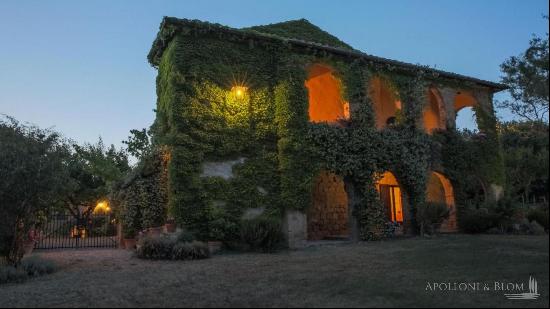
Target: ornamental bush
point(431, 215)
point(33, 266)
point(539, 215)
point(262, 233)
point(166, 248)
point(475, 221)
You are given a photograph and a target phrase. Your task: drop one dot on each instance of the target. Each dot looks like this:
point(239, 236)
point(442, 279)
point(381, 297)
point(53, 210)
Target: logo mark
point(533, 292)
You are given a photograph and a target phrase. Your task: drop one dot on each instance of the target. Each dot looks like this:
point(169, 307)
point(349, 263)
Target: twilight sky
point(81, 67)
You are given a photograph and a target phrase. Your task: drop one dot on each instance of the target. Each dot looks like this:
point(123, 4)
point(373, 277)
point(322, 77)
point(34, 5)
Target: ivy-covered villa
point(287, 122)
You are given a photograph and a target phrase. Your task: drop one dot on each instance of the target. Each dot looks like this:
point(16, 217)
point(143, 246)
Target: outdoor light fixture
point(239, 91)
point(102, 207)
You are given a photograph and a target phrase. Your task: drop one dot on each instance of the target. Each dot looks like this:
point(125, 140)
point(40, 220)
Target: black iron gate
point(67, 231)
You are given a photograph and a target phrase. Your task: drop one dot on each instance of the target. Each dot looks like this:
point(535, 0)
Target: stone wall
point(328, 216)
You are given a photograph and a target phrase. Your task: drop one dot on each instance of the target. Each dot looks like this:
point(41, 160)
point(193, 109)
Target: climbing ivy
point(200, 119)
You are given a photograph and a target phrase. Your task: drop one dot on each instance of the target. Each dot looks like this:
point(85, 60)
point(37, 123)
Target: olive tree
point(32, 173)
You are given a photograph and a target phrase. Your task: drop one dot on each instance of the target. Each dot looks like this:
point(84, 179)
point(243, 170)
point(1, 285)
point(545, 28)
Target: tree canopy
point(527, 77)
point(32, 171)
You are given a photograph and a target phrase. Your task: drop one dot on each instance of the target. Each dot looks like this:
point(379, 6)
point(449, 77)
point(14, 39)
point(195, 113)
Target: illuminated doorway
point(391, 197)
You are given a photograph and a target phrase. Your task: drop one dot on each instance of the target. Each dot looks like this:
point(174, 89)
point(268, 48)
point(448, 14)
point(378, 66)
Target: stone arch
point(391, 196)
point(440, 190)
point(385, 102)
point(325, 96)
point(464, 104)
point(328, 217)
point(434, 114)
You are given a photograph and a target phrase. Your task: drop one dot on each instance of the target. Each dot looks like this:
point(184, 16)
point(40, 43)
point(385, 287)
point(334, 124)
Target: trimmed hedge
point(164, 248)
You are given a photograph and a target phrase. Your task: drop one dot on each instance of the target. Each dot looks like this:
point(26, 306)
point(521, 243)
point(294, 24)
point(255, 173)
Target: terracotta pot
point(154, 232)
point(129, 243)
point(170, 227)
point(28, 247)
point(215, 246)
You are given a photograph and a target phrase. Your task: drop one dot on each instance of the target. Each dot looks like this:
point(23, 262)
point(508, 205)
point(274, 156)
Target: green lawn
point(372, 274)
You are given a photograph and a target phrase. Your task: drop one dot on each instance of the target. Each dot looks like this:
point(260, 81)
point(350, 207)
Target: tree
point(32, 177)
point(139, 143)
point(93, 170)
point(527, 77)
point(525, 149)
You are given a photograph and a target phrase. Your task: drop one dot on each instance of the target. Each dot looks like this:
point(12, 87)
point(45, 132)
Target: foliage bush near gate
point(165, 248)
point(33, 266)
point(199, 119)
point(36, 266)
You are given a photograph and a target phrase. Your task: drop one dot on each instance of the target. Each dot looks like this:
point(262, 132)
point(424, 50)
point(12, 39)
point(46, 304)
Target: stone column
point(448, 96)
point(295, 229)
point(353, 199)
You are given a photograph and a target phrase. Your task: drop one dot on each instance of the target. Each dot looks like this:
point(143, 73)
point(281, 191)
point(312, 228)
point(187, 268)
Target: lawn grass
point(370, 274)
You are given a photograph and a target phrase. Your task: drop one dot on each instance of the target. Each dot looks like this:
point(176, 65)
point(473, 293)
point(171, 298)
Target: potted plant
point(129, 238)
point(154, 231)
point(170, 225)
point(218, 230)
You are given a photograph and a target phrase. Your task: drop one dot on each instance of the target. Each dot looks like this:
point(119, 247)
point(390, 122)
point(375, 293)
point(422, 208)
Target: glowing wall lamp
point(239, 91)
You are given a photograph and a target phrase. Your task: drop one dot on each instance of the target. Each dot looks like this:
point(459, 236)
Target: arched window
point(464, 109)
point(385, 102)
point(434, 112)
point(325, 96)
point(440, 190)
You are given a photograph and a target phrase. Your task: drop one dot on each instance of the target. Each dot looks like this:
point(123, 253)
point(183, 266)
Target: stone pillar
point(295, 229)
point(448, 96)
point(495, 192)
point(353, 199)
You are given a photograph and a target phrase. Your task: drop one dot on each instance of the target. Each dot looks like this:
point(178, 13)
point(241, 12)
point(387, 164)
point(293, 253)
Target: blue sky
point(80, 66)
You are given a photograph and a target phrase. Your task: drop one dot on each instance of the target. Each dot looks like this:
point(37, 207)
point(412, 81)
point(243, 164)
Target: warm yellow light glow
point(390, 195)
point(325, 96)
point(239, 91)
point(102, 207)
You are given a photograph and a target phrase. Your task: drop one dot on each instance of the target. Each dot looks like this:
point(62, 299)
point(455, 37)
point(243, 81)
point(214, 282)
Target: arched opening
point(434, 113)
point(391, 197)
point(440, 190)
point(465, 115)
point(328, 216)
point(325, 96)
point(385, 102)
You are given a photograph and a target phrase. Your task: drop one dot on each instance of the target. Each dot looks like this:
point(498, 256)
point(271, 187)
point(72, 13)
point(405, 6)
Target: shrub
point(190, 251)
point(158, 248)
point(431, 215)
point(186, 236)
point(36, 266)
point(30, 267)
point(263, 233)
point(540, 216)
point(164, 248)
point(10, 274)
point(476, 221)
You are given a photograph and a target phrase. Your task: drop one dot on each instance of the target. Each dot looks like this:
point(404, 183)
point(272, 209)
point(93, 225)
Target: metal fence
point(67, 231)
